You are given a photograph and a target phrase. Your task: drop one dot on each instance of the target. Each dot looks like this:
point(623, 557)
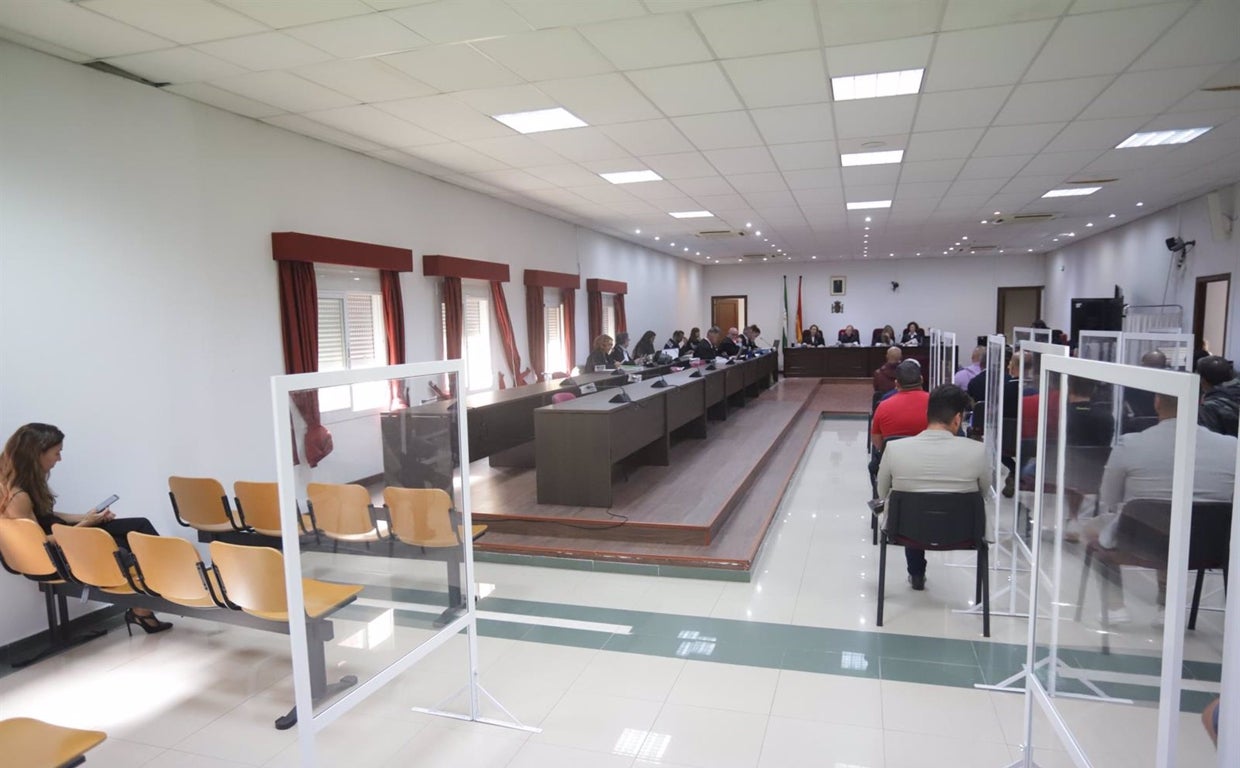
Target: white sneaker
point(1118, 615)
point(1160, 616)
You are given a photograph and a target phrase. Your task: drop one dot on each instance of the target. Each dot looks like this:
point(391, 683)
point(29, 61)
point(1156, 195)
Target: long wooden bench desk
point(844, 362)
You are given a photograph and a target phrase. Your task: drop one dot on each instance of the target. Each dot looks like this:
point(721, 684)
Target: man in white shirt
point(1140, 467)
point(935, 461)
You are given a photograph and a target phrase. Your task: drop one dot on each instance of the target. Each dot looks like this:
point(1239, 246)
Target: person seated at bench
point(600, 353)
point(730, 345)
point(25, 464)
point(620, 350)
point(885, 376)
point(676, 342)
point(644, 348)
point(812, 337)
point(848, 335)
point(691, 342)
point(708, 348)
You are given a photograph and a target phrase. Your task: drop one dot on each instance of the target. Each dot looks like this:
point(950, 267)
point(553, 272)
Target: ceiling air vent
point(755, 256)
point(1091, 182)
point(983, 248)
point(1024, 218)
point(1223, 88)
point(106, 68)
point(719, 234)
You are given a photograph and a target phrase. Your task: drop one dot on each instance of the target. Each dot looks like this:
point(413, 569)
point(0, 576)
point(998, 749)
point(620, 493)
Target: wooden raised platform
point(710, 508)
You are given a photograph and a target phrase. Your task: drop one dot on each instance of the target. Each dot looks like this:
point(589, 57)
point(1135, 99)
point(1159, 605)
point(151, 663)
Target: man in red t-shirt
point(904, 413)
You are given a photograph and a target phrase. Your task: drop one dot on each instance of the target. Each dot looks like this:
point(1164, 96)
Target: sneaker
point(918, 581)
point(1072, 530)
point(1118, 615)
point(1009, 486)
point(1160, 616)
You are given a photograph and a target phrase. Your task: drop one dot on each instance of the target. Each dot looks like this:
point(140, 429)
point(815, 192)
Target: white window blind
point(350, 337)
point(553, 339)
point(479, 373)
point(609, 320)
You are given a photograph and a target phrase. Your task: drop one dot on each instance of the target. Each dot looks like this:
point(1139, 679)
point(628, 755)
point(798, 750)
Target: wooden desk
point(845, 362)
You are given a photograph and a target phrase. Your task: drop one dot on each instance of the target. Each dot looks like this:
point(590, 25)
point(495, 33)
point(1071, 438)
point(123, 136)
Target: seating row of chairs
point(419, 517)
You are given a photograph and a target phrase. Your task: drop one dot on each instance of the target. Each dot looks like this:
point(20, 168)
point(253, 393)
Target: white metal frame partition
point(309, 722)
point(943, 354)
point(1184, 387)
point(1182, 341)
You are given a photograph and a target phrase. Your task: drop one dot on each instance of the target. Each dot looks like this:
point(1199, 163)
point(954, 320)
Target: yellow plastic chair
point(29, 743)
point(169, 567)
point(424, 517)
point(91, 555)
point(258, 506)
point(253, 580)
point(342, 512)
point(23, 551)
point(200, 503)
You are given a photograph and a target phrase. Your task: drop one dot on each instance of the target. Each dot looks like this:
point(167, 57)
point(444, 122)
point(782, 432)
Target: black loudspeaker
point(1096, 315)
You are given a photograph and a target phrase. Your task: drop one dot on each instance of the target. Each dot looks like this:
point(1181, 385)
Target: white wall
point(1136, 258)
point(955, 294)
point(138, 298)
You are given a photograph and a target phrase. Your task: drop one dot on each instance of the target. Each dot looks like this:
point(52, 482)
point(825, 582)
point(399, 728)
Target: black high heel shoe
point(148, 622)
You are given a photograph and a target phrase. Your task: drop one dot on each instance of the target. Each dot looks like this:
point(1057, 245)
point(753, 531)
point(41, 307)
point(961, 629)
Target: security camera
point(1175, 244)
point(894, 286)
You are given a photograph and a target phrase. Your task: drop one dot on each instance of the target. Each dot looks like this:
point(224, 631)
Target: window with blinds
point(553, 339)
point(609, 319)
point(479, 372)
point(351, 337)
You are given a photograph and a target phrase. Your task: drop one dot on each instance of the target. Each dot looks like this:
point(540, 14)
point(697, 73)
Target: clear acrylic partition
point(1151, 318)
point(992, 437)
point(1099, 345)
point(948, 355)
point(1020, 334)
point(934, 375)
point(1108, 672)
point(377, 529)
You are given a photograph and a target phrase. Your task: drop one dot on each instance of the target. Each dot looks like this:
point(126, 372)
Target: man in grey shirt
point(935, 461)
point(1140, 467)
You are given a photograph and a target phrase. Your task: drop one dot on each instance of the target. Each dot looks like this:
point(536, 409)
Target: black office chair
point(876, 336)
point(876, 458)
point(1143, 537)
point(977, 420)
point(939, 522)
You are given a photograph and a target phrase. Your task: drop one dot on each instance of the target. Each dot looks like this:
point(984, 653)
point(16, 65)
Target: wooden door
point(1018, 307)
point(728, 312)
point(1210, 312)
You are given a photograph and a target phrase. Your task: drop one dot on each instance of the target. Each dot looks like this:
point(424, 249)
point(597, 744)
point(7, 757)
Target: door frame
point(1199, 307)
point(1001, 301)
point(744, 321)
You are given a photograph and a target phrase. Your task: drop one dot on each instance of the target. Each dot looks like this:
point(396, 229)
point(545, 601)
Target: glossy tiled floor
point(632, 670)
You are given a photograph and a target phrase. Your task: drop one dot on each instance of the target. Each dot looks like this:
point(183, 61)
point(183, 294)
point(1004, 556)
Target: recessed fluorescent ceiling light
point(690, 214)
point(877, 85)
point(872, 158)
point(866, 204)
point(1074, 192)
point(631, 177)
point(541, 120)
point(1159, 138)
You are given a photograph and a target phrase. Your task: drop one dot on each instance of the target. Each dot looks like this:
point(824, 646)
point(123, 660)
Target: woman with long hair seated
point(25, 464)
point(644, 346)
point(600, 353)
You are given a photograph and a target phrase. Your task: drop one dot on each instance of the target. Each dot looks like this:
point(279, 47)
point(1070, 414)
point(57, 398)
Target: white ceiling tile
point(447, 116)
point(512, 179)
point(876, 192)
point(71, 26)
point(1118, 160)
point(1016, 139)
point(268, 50)
point(1051, 163)
point(581, 144)
point(1177, 120)
point(656, 190)
point(1205, 101)
point(788, 125)
point(1205, 35)
point(720, 204)
point(931, 170)
point(813, 179)
point(972, 187)
point(454, 21)
point(601, 99)
point(567, 13)
point(1146, 93)
point(546, 55)
point(367, 80)
point(648, 137)
point(687, 89)
point(226, 100)
point(517, 151)
point(981, 57)
point(806, 156)
point(1036, 184)
point(719, 130)
point(942, 145)
point(757, 28)
point(499, 101)
point(1002, 167)
point(971, 108)
point(741, 160)
point(458, 157)
point(1094, 134)
point(566, 175)
point(761, 200)
point(52, 49)
point(870, 176)
point(185, 21)
point(284, 90)
point(868, 117)
point(1101, 43)
point(281, 13)
point(377, 126)
point(872, 143)
point(452, 68)
point(609, 193)
point(353, 38)
point(921, 190)
point(707, 185)
point(955, 205)
point(1050, 101)
point(969, 14)
point(317, 130)
point(678, 165)
point(848, 21)
point(746, 183)
point(175, 65)
point(680, 6)
point(887, 56)
point(405, 160)
point(780, 79)
point(649, 41)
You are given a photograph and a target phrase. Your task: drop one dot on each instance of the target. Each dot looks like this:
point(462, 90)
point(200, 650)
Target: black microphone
point(622, 397)
point(660, 384)
point(567, 382)
point(696, 374)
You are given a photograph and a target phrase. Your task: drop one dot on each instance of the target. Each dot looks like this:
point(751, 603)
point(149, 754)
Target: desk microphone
point(711, 367)
point(697, 374)
point(660, 384)
point(622, 397)
point(567, 382)
point(731, 361)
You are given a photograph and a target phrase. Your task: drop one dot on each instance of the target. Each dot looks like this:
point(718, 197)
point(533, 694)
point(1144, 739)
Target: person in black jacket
point(849, 335)
point(691, 343)
point(644, 346)
point(728, 345)
point(913, 335)
point(812, 336)
point(676, 342)
point(600, 353)
point(1220, 395)
point(708, 348)
point(620, 351)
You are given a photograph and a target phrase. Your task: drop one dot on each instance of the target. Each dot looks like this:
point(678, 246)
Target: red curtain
point(617, 303)
point(454, 316)
point(534, 321)
point(594, 315)
point(393, 329)
point(568, 300)
point(506, 335)
point(299, 328)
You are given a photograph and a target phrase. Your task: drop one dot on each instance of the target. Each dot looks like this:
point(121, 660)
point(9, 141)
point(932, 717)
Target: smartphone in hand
point(109, 501)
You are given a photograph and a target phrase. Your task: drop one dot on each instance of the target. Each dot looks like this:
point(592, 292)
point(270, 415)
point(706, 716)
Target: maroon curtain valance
point(544, 279)
point(436, 265)
point(316, 249)
point(606, 286)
